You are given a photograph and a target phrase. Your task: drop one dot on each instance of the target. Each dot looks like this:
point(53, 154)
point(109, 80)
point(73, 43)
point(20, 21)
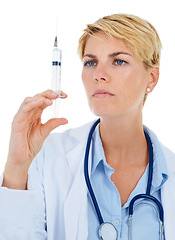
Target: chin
point(103, 112)
point(114, 110)
point(103, 107)
point(109, 112)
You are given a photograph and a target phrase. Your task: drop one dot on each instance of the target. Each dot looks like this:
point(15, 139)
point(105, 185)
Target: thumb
point(52, 124)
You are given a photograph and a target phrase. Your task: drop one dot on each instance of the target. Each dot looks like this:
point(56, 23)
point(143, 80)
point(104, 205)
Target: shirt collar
point(97, 150)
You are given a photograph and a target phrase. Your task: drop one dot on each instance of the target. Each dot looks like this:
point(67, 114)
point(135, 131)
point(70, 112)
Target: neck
point(123, 140)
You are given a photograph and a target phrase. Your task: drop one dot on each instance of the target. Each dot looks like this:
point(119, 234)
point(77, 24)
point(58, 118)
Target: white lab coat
point(56, 186)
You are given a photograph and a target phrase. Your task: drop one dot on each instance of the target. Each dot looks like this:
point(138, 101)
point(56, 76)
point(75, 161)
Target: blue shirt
point(145, 217)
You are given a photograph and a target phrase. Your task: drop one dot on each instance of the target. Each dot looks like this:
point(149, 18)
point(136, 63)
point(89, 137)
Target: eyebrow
point(119, 53)
point(110, 55)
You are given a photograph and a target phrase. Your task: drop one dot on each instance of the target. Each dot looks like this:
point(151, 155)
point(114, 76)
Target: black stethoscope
point(107, 231)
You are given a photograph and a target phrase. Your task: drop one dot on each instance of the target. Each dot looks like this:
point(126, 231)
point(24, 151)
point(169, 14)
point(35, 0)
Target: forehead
point(102, 43)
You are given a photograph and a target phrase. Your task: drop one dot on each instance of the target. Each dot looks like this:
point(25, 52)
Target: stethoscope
point(107, 231)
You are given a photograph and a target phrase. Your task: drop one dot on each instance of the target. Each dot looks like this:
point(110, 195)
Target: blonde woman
point(68, 187)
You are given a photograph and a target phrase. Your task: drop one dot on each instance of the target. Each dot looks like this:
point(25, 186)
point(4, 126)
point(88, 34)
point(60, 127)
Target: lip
point(101, 93)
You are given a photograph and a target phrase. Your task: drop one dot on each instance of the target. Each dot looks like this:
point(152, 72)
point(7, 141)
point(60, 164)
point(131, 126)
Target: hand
point(28, 133)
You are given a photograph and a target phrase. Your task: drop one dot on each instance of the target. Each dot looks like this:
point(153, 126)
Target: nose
point(100, 74)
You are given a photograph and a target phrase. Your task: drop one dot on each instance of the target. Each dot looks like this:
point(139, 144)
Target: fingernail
point(64, 121)
point(63, 95)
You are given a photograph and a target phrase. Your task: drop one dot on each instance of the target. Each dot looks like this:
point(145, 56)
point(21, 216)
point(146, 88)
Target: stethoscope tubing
point(145, 196)
point(150, 172)
point(86, 173)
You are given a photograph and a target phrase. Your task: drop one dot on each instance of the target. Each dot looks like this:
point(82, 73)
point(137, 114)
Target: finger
point(31, 111)
point(51, 125)
point(63, 95)
point(47, 94)
point(40, 103)
point(50, 94)
point(42, 100)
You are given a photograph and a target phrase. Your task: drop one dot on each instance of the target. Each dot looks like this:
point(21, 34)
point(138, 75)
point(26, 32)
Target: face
point(114, 80)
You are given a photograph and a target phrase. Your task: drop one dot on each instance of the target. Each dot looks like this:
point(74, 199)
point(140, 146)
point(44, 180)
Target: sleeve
point(23, 213)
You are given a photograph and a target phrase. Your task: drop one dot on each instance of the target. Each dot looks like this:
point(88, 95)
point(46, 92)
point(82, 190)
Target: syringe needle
point(56, 42)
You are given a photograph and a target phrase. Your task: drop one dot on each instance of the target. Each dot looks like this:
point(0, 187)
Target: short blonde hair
point(137, 33)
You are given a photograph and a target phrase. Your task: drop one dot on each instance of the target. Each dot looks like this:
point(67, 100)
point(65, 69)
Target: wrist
point(15, 177)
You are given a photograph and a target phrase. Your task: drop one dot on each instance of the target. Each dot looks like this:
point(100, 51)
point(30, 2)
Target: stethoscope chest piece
point(107, 231)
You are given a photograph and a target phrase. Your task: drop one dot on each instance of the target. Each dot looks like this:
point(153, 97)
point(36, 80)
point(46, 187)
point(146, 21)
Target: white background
point(27, 30)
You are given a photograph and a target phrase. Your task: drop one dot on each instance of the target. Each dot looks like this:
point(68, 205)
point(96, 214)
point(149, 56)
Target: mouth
point(102, 94)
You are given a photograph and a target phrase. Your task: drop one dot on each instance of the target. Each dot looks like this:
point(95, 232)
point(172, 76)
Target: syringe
point(56, 77)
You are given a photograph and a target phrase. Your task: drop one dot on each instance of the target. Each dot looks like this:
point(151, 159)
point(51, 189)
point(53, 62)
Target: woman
point(121, 57)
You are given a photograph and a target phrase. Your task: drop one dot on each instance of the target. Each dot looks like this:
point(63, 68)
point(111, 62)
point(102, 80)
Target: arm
point(23, 213)
point(27, 137)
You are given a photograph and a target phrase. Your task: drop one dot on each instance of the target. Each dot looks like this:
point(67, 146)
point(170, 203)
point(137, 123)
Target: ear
point(153, 77)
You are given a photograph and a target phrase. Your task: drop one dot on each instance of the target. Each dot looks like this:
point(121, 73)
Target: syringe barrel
point(56, 78)
point(56, 55)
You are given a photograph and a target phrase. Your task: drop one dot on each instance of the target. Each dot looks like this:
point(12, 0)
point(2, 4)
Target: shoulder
point(170, 157)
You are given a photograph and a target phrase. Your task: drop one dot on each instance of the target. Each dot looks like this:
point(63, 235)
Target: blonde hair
point(139, 35)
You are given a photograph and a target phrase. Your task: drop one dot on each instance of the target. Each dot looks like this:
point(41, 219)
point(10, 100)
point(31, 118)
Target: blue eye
point(90, 63)
point(119, 62)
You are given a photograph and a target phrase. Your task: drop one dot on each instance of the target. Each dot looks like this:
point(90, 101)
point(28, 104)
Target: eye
point(90, 63)
point(119, 62)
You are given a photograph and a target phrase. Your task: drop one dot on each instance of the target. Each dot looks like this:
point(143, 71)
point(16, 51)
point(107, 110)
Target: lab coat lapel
point(168, 202)
point(75, 207)
point(168, 198)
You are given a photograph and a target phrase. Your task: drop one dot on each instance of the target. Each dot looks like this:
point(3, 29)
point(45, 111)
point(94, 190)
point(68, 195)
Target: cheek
point(139, 87)
point(83, 76)
point(86, 83)
point(132, 86)
point(86, 79)
point(142, 80)
point(136, 79)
